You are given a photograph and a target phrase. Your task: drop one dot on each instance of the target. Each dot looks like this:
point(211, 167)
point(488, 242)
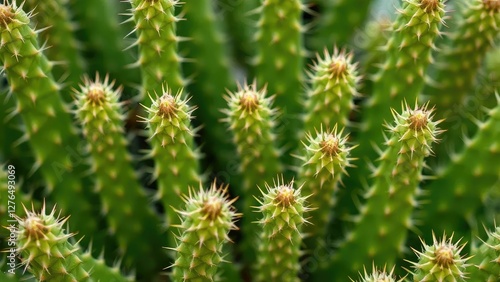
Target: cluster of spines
point(49, 127)
point(157, 39)
point(485, 260)
point(334, 83)
point(380, 231)
point(378, 275)
point(322, 167)
point(171, 137)
point(283, 208)
point(47, 252)
point(441, 261)
point(206, 221)
point(99, 111)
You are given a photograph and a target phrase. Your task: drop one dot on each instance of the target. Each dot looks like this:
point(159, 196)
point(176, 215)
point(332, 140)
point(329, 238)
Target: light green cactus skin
point(159, 61)
point(283, 209)
point(100, 113)
point(457, 66)
point(334, 83)
point(338, 22)
point(323, 165)
point(280, 57)
point(206, 221)
point(378, 275)
point(485, 260)
point(380, 231)
point(173, 150)
point(251, 120)
point(449, 197)
point(402, 75)
point(440, 261)
point(48, 254)
point(49, 127)
point(61, 43)
point(210, 72)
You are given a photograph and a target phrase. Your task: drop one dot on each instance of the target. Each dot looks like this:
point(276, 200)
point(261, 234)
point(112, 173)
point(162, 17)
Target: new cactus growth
point(283, 209)
point(206, 221)
point(378, 275)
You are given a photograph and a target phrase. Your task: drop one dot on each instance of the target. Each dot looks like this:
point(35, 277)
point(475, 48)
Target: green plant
point(360, 176)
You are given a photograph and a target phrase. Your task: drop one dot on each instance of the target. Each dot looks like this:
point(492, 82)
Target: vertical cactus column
point(283, 211)
point(323, 165)
point(206, 221)
point(279, 63)
point(173, 150)
point(380, 231)
point(440, 261)
point(158, 60)
point(49, 127)
point(99, 111)
point(401, 76)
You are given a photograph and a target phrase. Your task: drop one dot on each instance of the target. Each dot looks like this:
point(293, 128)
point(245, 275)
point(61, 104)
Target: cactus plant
point(325, 77)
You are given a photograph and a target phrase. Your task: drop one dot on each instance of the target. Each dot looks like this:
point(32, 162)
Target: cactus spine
point(206, 221)
point(283, 211)
point(485, 260)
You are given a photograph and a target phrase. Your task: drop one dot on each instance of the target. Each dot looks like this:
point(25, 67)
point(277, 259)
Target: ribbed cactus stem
point(380, 231)
point(378, 275)
point(206, 221)
point(173, 150)
point(440, 261)
point(283, 211)
point(323, 165)
point(485, 260)
point(158, 60)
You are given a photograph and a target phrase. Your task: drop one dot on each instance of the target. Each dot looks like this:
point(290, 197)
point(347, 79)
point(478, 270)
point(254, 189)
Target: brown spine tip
point(213, 207)
point(429, 5)
point(493, 5)
point(444, 255)
point(285, 196)
point(6, 14)
point(338, 66)
point(249, 100)
point(418, 120)
point(167, 105)
point(330, 145)
point(34, 227)
point(96, 93)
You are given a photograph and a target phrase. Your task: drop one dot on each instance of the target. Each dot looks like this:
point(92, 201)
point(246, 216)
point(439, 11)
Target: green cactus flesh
point(485, 261)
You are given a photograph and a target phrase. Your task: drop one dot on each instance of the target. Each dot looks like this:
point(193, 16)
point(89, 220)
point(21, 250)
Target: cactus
point(485, 259)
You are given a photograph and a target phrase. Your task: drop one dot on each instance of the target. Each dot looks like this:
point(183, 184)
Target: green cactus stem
point(283, 211)
point(380, 231)
point(100, 113)
point(211, 75)
point(173, 150)
point(58, 33)
point(378, 275)
point(49, 127)
point(440, 261)
point(485, 260)
point(206, 221)
point(334, 83)
point(46, 251)
point(401, 76)
point(279, 63)
point(323, 165)
point(159, 61)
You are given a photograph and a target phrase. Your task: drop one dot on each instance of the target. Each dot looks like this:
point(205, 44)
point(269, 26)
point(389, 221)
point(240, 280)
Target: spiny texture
point(280, 236)
point(252, 122)
point(380, 231)
point(279, 62)
point(401, 77)
point(206, 221)
point(100, 113)
point(378, 275)
point(49, 127)
point(157, 40)
point(63, 49)
point(173, 150)
point(451, 198)
point(334, 81)
point(210, 72)
point(323, 165)
point(485, 260)
point(441, 262)
point(47, 252)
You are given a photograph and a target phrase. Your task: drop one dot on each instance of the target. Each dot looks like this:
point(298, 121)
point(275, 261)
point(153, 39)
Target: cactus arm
point(155, 24)
point(484, 263)
point(279, 63)
point(206, 221)
point(173, 151)
point(282, 208)
point(210, 72)
point(99, 112)
point(48, 124)
point(381, 227)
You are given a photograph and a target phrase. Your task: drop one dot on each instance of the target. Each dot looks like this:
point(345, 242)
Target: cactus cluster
point(344, 134)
